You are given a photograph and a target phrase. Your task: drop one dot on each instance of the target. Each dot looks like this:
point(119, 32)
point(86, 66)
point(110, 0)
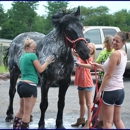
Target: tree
point(122, 20)
point(2, 15)
point(23, 18)
point(95, 16)
point(11, 29)
point(39, 24)
point(51, 9)
point(20, 19)
point(24, 12)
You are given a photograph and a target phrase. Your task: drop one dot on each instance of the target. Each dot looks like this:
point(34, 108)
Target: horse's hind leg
point(63, 86)
point(14, 74)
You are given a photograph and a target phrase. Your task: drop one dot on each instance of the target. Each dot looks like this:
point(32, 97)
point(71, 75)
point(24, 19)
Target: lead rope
point(95, 101)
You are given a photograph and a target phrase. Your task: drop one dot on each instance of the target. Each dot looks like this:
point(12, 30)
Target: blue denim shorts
point(115, 97)
point(85, 89)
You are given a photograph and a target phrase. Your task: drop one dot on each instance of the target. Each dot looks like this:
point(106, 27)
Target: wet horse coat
point(67, 34)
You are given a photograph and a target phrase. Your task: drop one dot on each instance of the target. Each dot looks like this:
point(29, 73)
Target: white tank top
point(116, 81)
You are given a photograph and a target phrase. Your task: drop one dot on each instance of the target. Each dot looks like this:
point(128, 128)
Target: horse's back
point(20, 39)
point(16, 48)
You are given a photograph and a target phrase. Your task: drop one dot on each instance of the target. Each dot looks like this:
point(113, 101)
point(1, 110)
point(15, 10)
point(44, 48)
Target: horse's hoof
point(41, 127)
point(31, 118)
point(9, 118)
point(60, 127)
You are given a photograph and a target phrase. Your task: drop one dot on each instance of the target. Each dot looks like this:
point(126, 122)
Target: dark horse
point(67, 34)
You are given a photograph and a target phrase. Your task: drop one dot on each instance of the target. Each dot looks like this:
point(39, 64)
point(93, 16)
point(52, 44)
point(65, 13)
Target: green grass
point(3, 69)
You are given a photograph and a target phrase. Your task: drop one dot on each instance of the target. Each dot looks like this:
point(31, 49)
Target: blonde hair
point(94, 50)
point(108, 39)
point(28, 42)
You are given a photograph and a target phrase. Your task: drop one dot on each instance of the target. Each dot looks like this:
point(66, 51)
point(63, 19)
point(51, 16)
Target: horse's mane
point(61, 19)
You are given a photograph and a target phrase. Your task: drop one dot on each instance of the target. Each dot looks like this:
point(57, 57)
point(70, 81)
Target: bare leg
point(82, 103)
point(88, 96)
point(108, 112)
point(117, 118)
point(88, 99)
point(19, 114)
point(18, 118)
point(28, 106)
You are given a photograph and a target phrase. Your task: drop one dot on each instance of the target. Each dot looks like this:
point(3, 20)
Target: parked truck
point(96, 34)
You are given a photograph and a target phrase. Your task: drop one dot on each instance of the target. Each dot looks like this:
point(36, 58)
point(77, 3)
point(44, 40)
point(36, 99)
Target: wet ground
point(71, 110)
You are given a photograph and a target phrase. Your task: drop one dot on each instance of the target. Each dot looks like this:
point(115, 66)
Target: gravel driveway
point(71, 110)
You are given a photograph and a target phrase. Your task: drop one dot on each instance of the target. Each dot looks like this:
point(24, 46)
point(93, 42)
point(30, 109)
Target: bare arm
point(40, 68)
point(88, 66)
point(99, 66)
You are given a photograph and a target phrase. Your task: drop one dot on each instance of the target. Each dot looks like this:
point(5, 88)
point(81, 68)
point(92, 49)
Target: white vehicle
point(96, 34)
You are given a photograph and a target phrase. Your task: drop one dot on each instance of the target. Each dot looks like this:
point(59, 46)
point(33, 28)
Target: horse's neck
point(52, 45)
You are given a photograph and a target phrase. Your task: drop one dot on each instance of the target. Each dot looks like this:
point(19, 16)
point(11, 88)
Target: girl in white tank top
point(112, 83)
point(116, 81)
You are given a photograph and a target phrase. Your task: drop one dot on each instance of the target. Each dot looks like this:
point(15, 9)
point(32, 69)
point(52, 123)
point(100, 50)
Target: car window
point(94, 36)
point(109, 32)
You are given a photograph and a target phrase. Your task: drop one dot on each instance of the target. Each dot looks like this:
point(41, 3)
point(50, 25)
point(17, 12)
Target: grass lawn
point(3, 69)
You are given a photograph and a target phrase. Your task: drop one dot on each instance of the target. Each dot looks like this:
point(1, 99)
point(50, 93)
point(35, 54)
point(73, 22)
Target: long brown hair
point(124, 35)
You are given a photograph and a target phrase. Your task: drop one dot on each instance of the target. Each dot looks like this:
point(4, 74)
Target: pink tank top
point(116, 81)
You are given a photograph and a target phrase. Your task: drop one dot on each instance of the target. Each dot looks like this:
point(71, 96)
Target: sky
point(114, 6)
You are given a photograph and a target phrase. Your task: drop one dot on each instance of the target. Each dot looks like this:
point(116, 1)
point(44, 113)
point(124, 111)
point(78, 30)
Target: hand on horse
point(50, 59)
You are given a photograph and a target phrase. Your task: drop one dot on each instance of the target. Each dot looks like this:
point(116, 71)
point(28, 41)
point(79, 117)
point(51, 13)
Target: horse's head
point(70, 28)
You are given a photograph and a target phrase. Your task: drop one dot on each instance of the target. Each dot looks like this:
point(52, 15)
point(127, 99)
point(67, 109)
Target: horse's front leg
point(14, 74)
point(63, 86)
point(43, 104)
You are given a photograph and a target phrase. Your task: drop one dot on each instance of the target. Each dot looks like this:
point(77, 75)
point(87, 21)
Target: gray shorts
point(115, 97)
point(26, 90)
point(85, 89)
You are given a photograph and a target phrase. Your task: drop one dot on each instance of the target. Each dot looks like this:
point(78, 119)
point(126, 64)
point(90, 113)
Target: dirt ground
point(71, 110)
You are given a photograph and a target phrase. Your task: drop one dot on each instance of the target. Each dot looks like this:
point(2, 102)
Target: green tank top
point(27, 68)
point(101, 59)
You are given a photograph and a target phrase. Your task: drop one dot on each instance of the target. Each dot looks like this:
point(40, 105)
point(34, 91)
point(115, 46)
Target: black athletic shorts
point(26, 90)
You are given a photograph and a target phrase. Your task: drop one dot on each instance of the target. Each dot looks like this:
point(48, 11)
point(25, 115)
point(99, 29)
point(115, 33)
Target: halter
point(74, 41)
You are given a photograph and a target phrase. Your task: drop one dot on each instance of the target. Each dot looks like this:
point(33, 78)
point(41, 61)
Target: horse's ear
point(77, 13)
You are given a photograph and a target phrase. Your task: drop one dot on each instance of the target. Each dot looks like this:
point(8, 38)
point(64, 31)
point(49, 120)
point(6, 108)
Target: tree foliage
point(2, 15)
point(22, 17)
point(122, 19)
point(52, 8)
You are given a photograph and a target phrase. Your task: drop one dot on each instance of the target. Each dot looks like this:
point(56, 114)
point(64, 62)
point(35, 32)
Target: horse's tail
point(5, 58)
